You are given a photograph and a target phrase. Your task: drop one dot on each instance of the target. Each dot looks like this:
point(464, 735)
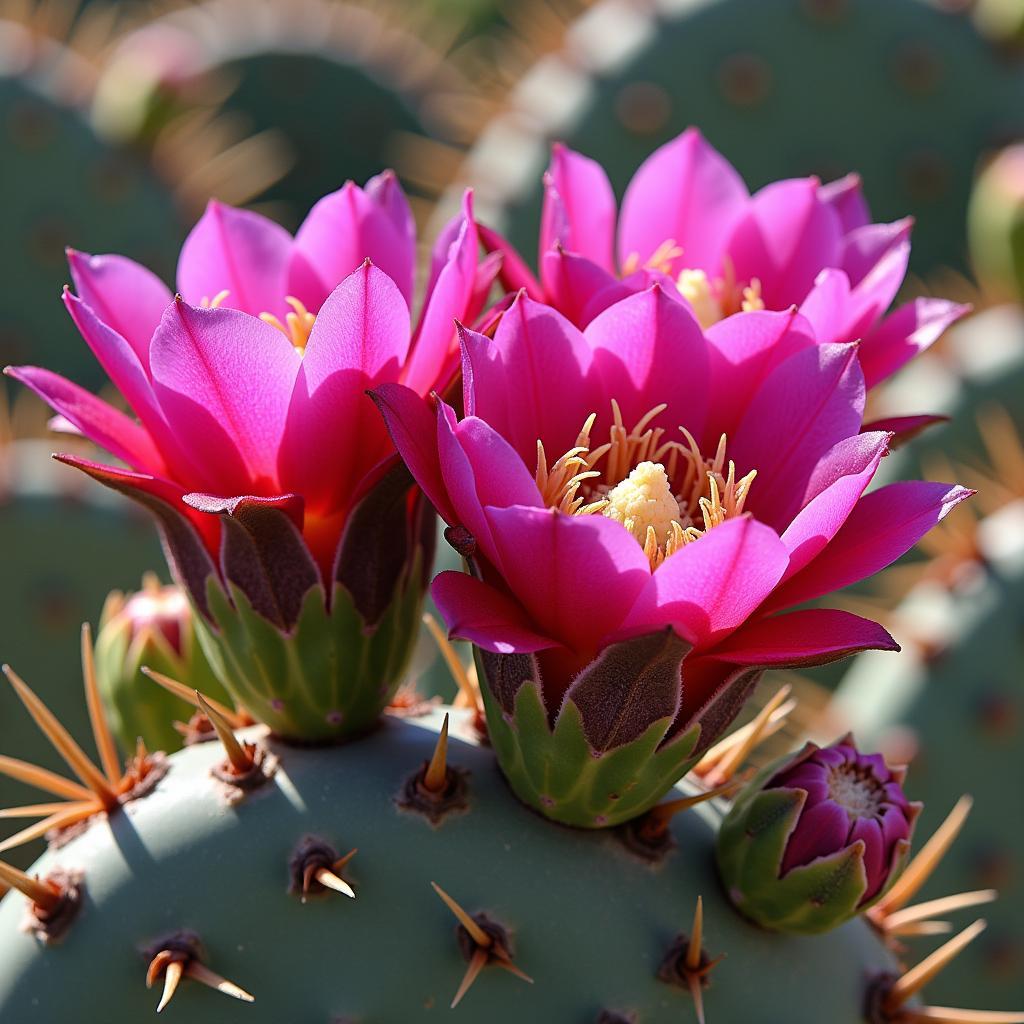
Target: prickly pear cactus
point(227, 877)
point(73, 186)
point(630, 77)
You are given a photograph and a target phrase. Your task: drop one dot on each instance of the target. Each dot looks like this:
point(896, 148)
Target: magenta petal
point(905, 333)
point(903, 428)
point(125, 295)
point(834, 489)
point(865, 246)
point(808, 404)
point(579, 208)
point(876, 867)
point(814, 636)
point(239, 251)
point(576, 576)
point(386, 191)
point(827, 306)
point(342, 230)
point(709, 587)
point(846, 197)
point(821, 830)
point(786, 237)
point(359, 340)
point(874, 293)
point(883, 525)
point(577, 286)
point(686, 192)
point(224, 380)
point(643, 342)
point(435, 352)
point(412, 425)
point(514, 274)
point(477, 612)
point(744, 349)
point(100, 422)
point(530, 380)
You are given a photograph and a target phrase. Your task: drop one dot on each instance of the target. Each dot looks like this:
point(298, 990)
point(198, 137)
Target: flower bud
point(816, 839)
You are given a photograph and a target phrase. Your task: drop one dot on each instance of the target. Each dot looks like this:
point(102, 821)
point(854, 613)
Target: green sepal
point(327, 678)
point(556, 771)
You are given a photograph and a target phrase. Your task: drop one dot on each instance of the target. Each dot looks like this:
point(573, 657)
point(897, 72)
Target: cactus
point(207, 868)
point(630, 77)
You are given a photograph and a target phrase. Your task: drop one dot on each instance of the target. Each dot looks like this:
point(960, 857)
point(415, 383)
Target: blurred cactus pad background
point(121, 118)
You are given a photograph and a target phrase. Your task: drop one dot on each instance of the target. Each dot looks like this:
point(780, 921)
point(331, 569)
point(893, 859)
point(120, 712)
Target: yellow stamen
point(695, 287)
point(214, 303)
point(298, 323)
point(752, 296)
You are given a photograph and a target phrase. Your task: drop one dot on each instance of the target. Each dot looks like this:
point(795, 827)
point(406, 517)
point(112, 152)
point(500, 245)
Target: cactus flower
point(152, 627)
point(688, 220)
point(640, 504)
point(816, 839)
point(284, 512)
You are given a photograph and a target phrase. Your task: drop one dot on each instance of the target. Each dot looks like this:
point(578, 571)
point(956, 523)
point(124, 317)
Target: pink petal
point(863, 247)
point(515, 274)
point(343, 229)
point(786, 237)
point(477, 612)
point(125, 295)
point(640, 345)
point(359, 341)
point(874, 293)
point(827, 306)
point(709, 587)
point(100, 422)
point(578, 287)
point(529, 381)
point(808, 404)
point(386, 191)
point(820, 831)
point(435, 351)
point(744, 349)
point(224, 380)
point(833, 491)
point(905, 333)
point(576, 576)
point(883, 525)
point(814, 636)
point(579, 208)
point(686, 192)
point(238, 251)
point(412, 425)
point(846, 197)
point(903, 428)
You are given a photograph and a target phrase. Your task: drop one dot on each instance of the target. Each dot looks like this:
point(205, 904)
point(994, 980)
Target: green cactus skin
point(769, 84)
point(588, 921)
point(136, 706)
point(60, 555)
point(73, 188)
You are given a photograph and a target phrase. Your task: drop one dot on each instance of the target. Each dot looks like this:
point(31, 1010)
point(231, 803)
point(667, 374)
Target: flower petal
point(579, 207)
point(709, 587)
point(883, 525)
point(685, 192)
point(238, 251)
point(846, 197)
point(477, 612)
point(864, 247)
point(820, 831)
point(577, 286)
point(515, 274)
point(125, 295)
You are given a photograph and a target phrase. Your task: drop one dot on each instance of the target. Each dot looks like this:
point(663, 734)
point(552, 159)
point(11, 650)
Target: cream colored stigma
point(664, 491)
point(298, 323)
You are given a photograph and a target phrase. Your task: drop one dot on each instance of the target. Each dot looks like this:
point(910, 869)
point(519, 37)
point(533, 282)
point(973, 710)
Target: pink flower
point(644, 474)
point(250, 383)
point(688, 220)
point(285, 512)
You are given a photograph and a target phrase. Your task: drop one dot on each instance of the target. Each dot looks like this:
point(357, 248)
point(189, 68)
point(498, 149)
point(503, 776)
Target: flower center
point(296, 328)
point(663, 491)
point(857, 790)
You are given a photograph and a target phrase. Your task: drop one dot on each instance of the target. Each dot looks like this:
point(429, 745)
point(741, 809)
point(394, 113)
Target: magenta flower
point(688, 221)
point(817, 839)
point(255, 444)
point(654, 499)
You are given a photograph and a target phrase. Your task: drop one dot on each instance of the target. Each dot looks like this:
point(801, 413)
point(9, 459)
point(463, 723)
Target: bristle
point(233, 718)
point(330, 880)
point(946, 905)
point(34, 810)
point(237, 756)
point(61, 739)
point(919, 870)
point(469, 693)
point(70, 814)
point(436, 774)
point(697, 991)
point(340, 863)
point(947, 1015)
point(43, 778)
point(913, 980)
point(693, 950)
point(663, 813)
point(717, 753)
point(172, 976)
point(476, 933)
point(42, 894)
point(758, 730)
point(476, 964)
point(105, 744)
point(199, 972)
